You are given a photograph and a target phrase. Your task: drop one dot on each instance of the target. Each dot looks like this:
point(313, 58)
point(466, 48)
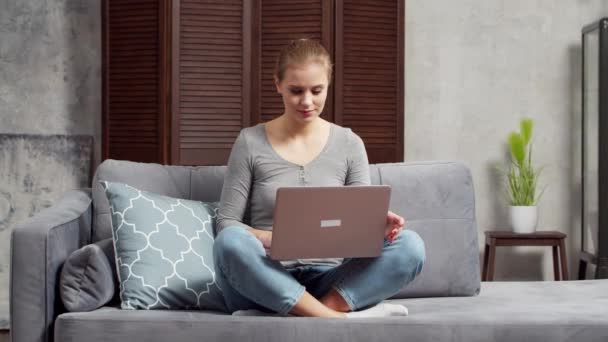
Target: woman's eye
point(298, 92)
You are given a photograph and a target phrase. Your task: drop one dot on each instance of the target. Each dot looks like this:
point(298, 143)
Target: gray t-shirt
point(256, 171)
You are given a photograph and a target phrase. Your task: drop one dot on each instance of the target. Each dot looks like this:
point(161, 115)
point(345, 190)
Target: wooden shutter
point(211, 82)
point(132, 120)
point(181, 78)
point(369, 74)
point(280, 22)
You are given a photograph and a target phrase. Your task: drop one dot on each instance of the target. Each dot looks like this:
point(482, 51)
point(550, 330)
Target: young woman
point(299, 148)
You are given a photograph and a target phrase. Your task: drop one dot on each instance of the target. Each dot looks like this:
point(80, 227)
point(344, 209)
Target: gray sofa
point(447, 302)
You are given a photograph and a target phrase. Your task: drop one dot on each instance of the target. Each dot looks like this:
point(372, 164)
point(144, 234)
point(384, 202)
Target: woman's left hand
point(394, 225)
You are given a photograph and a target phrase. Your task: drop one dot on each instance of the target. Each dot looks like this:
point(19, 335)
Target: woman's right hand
point(265, 237)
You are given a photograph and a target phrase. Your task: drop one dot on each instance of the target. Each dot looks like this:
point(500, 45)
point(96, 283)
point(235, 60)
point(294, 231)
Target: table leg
point(491, 254)
point(555, 264)
point(484, 274)
point(563, 261)
point(582, 269)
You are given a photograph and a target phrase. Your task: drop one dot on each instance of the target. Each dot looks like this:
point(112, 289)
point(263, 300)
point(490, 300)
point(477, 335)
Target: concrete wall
point(50, 67)
point(35, 170)
point(473, 70)
point(50, 108)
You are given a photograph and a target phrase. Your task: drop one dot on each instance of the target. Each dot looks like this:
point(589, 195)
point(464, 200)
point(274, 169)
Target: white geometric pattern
point(164, 250)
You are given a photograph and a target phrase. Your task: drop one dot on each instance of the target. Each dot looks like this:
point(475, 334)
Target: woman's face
point(304, 90)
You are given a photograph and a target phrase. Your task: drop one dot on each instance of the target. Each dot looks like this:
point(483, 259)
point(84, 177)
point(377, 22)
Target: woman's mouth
point(305, 113)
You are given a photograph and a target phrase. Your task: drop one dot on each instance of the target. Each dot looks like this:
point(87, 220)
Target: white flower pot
point(523, 218)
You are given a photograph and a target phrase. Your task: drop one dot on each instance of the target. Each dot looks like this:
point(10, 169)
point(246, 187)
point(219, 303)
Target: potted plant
point(522, 181)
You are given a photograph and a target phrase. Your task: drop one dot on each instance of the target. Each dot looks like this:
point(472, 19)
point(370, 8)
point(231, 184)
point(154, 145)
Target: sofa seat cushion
point(503, 311)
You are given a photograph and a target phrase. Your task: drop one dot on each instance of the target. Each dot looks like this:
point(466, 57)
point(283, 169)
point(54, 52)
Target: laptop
point(329, 222)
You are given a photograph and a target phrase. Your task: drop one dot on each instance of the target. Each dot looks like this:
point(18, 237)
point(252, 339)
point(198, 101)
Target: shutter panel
point(131, 65)
point(369, 75)
point(281, 22)
point(211, 86)
point(222, 55)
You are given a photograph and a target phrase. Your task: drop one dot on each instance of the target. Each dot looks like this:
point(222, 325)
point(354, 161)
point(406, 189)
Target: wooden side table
point(496, 238)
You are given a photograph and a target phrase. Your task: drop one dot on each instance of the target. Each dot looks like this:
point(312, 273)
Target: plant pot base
point(523, 219)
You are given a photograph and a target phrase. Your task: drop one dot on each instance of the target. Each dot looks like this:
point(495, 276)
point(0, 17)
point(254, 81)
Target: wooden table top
point(507, 234)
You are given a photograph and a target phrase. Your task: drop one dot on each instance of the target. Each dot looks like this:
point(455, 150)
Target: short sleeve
point(358, 165)
point(237, 186)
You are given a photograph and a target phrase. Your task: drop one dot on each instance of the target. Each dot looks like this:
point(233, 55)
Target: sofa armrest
point(39, 248)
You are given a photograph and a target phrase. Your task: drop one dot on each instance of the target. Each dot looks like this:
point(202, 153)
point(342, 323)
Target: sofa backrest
point(436, 199)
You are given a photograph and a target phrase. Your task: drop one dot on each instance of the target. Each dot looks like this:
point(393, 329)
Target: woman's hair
point(302, 51)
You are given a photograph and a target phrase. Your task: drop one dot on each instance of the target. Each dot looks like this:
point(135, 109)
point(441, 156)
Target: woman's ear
point(277, 84)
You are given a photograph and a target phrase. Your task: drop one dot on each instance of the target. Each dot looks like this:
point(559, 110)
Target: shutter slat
point(210, 43)
point(211, 101)
point(196, 50)
point(215, 126)
point(205, 70)
point(198, 103)
point(207, 148)
point(188, 78)
point(185, 117)
point(210, 111)
point(191, 83)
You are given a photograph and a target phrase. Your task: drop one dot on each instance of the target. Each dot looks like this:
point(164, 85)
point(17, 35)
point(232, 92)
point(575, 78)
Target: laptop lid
point(329, 222)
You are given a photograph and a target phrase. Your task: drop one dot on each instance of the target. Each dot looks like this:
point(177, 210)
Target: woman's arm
point(358, 174)
point(237, 186)
point(236, 190)
point(358, 165)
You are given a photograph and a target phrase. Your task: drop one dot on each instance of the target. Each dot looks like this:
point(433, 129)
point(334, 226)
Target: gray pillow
point(87, 280)
point(164, 250)
point(437, 200)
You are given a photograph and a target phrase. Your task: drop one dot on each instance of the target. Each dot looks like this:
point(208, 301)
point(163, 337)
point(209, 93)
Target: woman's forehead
point(305, 75)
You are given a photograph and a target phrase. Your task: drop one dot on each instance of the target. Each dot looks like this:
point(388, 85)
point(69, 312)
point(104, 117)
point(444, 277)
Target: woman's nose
point(307, 98)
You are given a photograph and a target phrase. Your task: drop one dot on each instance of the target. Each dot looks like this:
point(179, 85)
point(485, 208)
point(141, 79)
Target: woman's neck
point(294, 129)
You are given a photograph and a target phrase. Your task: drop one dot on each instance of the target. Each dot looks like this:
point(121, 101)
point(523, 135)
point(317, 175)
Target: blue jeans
point(249, 279)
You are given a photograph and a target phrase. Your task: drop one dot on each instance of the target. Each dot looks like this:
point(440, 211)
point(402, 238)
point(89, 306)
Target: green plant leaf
point(526, 130)
point(517, 147)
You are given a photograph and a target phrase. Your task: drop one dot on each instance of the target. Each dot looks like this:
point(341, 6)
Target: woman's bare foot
point(334, 301)
point(309, 306)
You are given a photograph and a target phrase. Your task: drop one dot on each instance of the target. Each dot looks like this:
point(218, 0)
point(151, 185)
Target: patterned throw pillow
point(164, 250)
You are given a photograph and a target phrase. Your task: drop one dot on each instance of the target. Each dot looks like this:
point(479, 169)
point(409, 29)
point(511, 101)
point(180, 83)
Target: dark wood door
point(133, 124)
point(278, 22)
point(369, 74)
point(183, 77)
point(211, 79)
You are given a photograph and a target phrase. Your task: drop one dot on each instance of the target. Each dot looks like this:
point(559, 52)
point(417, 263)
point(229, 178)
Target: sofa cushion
point(173, 181)
point(164, 250)
point(437, 200)
point(503, 311)
point(88, 276)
